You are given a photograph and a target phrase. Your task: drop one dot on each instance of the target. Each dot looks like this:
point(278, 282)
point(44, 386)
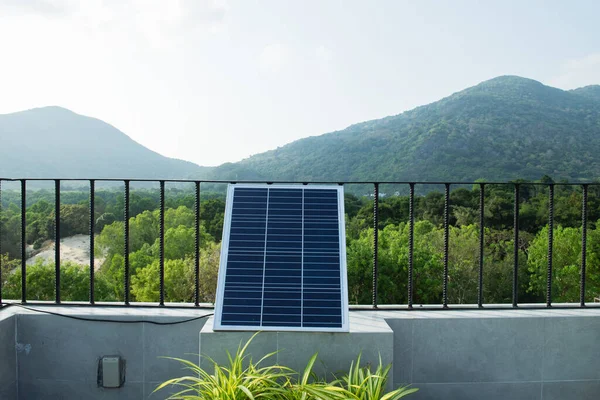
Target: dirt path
point(74, 248)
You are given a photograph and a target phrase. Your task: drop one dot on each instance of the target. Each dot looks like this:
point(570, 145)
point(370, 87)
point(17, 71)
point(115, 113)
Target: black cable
point(140, 321)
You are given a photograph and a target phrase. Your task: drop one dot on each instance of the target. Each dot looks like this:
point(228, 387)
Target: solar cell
point(283, 259)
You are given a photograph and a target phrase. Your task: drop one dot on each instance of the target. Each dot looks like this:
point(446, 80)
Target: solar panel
point(283, 259)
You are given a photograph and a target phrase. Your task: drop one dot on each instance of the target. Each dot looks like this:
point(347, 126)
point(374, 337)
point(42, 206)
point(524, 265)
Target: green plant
point(363, 384)
point(235, 381)
point(306, 388)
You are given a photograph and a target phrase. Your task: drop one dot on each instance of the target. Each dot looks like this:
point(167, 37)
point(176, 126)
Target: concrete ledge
point(541, 354)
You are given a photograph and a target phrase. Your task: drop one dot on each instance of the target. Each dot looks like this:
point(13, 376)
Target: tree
point(104, 220)
point(74, 219)
point(40, 280)
point(566, 264)
point(393, 265)
point(179, 278)
point(212, 213)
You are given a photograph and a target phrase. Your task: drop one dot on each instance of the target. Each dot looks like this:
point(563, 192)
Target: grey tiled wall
point(8, 358)
point(462, 355)
point(541, 358)
point(61, 362)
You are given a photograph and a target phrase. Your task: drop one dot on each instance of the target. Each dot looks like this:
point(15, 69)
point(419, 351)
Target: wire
point(138, 321)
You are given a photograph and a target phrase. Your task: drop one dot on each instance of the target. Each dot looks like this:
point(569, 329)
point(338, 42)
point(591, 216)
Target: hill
point(592, 92)
point(502, 129)
point(53, 142)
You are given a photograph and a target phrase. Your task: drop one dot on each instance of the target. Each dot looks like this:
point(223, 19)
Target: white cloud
point(324, 54)
point(579, 72)
point(155, 19)
point(205, 11)
point(274, 57)
point(50, 8)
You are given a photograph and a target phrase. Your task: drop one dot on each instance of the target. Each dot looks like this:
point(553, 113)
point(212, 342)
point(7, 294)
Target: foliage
point(243, 379)
point(179, 278)
point(240, 379)
point(40, 283)
point(393, 234)
point(476, 133)
point(566, 262)
point(360, 383)
point(463, 265)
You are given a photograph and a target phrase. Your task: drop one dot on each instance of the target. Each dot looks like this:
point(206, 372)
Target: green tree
point(566, 264)
point(179, 278)
point(74, 219)
point(40, 283)
point(212, 213)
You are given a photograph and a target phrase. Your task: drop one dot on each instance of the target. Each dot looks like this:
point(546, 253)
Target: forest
point(393, 238)
point(502, 129)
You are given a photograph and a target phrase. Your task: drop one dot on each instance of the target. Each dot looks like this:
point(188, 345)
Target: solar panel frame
point(225, 255)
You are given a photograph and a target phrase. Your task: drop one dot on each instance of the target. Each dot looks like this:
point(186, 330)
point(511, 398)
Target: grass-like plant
point(233, 381)
point(363, 384)
point(308, 386)
point(242, 379)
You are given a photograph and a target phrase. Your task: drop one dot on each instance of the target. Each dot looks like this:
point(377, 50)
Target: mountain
point(502, 129)
point(591, 92)
point(53, 142)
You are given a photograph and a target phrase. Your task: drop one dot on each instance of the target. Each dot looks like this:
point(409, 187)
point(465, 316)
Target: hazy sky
point(217, 81)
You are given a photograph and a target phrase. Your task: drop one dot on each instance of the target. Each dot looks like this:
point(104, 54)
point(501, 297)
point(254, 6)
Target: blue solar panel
point(283, 263)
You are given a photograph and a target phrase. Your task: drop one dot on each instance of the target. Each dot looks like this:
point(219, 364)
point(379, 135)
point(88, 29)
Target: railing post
point(375, 241)
point(411, 243)
point(481, 242)
point(126, 244)
point(550, 243)
point(161, 249)
point(583, 245)
point(23, 241)
point(197, 245)
point(57, 240)
point(92, 228)
point(515, 288)
point(446, 243)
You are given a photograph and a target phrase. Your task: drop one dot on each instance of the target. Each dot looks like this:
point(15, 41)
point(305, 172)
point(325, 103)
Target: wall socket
point(111, 372)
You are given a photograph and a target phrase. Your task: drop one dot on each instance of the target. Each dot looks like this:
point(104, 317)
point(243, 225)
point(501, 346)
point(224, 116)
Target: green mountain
point(502, 129)
point(591, 92)
point(53, 142)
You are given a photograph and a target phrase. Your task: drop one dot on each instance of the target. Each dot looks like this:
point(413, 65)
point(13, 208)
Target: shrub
point(236, 382)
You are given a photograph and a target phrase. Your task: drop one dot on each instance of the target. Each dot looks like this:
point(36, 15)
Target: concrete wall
point(545, 354)
point(8, 357)
point(542, 355)
point(57, 357)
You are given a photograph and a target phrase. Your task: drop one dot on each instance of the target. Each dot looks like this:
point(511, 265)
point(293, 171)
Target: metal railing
point(376, 197)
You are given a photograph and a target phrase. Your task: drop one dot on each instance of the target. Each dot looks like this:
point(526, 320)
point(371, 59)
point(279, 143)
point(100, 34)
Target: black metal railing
point(376, 199)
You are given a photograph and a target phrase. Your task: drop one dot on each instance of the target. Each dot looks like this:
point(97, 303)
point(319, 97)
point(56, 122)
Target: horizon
point(219, 81)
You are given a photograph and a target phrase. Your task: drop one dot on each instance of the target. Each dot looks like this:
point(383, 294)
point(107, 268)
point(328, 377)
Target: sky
point(214, 81)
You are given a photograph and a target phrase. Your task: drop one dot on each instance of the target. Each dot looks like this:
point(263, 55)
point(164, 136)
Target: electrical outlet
point(111, 372)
